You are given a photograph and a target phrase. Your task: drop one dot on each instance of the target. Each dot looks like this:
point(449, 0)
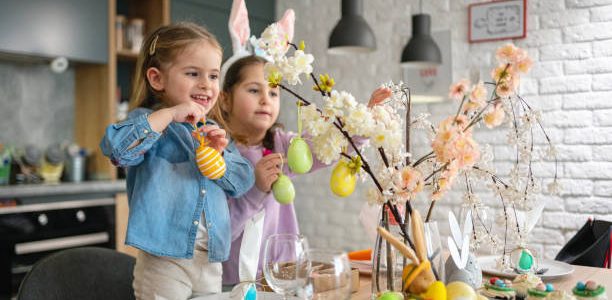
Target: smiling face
point(255, 104)
point(193, 75)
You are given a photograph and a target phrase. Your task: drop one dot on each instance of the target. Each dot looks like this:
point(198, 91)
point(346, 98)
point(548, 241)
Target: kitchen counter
point(108, 187)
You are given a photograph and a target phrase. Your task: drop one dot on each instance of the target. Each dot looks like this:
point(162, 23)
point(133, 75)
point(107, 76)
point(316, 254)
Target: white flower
point(359, 121)
point(313, 122)
point(327, 146)
point(273, 42)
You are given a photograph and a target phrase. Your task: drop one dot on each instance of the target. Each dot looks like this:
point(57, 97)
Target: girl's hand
point(378, 96)
point(189, 112)
point(215, 136)
point(267, 170)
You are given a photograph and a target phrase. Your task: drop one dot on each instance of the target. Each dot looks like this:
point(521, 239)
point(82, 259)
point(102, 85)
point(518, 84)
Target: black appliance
point(31, 231)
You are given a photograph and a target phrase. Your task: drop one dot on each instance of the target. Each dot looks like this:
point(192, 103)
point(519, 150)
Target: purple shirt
point(278, 218)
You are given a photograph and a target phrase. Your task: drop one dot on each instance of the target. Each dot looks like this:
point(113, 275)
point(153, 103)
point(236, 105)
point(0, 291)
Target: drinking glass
point(285, 264)
point(330, 276)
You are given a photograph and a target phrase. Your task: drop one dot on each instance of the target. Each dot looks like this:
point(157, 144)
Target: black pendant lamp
point(421, 51)
point(352, 33)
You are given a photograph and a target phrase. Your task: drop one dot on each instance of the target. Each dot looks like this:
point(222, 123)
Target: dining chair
point(80, 273)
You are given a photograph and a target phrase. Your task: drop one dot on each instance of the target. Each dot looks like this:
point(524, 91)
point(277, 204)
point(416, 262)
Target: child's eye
point(214, 76)
point(273, 94)
point(192, 74)
point(253, 91)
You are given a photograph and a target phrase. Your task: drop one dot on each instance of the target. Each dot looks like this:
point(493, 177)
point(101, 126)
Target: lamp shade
point(421, 51)
point(352, 34)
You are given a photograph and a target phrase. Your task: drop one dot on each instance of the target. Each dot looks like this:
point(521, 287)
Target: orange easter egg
point(210, 163)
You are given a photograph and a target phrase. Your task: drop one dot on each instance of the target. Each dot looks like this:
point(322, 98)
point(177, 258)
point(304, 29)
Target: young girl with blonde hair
point(178, 217)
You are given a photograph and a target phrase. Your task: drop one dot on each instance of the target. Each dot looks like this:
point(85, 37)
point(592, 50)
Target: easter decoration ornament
point(209, 161)
point(399, 175)
point(299, 157)
point(461, 264)
point(282, 188)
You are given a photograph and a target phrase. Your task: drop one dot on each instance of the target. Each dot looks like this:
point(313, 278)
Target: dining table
point(566, 283)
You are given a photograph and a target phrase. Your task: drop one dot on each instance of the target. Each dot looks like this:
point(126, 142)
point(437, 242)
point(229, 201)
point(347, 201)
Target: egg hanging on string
point(299, 157)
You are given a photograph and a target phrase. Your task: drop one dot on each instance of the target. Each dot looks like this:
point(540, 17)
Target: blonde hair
point(222, 108)
point(159, 48)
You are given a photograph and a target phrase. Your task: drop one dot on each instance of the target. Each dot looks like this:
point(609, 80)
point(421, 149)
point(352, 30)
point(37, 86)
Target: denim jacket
point(166, 191)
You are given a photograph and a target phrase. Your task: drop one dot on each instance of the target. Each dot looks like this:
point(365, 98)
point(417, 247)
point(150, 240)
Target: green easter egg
point(283, 190)
point(299, 157)
point(526, 260)
point(391, 296)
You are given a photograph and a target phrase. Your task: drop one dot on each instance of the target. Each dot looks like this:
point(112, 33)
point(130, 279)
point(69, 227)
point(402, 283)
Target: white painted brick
point(602, 48)
point(576, 187)
point(574, 153)
point(564, 18)
point(528, 87)
point(543, 37)
point(563, 119)
point(587, 32)
point(603, 188)
point(591, 66)
point(566, 51)
point(580, 136)
point(566, 84)
point(594, 100)
point(544, 7)
point(547, 69)
point(550, 102)
point(601, 14)
point(602, 82)
point(587, 205)
point(602, 153)
point(586, 3)
point(594, 170)
point(561, 220)
point(603, 117)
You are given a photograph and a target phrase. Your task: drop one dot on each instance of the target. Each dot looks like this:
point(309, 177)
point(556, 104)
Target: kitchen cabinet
point(96, 84)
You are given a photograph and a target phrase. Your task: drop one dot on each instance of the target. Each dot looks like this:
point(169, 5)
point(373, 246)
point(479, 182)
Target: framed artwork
point(497, 20)
point(431, 84)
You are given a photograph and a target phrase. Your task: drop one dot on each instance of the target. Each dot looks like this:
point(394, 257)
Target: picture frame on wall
point(497, 20)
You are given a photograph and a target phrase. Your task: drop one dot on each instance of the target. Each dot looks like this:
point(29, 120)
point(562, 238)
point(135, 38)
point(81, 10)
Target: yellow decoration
point(411, 272)
point(436, 291)
point(343, 178)
point(210, 163)
point(460, 290)
point(302, 45)
point(275, 78)
point(326, 85)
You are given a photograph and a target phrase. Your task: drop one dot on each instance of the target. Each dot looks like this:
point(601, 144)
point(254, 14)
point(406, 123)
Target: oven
point(29, 232)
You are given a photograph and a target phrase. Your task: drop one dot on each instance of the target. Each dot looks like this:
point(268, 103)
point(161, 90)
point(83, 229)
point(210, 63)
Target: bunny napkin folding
point(461, 265)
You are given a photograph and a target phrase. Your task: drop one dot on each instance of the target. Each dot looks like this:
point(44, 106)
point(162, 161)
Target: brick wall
point(571, 82)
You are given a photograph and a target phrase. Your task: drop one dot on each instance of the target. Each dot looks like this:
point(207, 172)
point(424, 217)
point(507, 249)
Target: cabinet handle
point(61, 243)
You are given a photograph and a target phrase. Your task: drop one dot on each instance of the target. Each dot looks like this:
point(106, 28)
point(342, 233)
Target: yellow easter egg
point(435, 291)
point(343, 180)
point(210, 163)
point(458, 290)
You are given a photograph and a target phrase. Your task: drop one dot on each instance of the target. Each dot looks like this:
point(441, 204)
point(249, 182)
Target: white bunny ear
point(467, 225)
point(239, 25)
point(531, 217)
point(465, 253)
point(454, 252)
point(286, 24)
point(454, 228)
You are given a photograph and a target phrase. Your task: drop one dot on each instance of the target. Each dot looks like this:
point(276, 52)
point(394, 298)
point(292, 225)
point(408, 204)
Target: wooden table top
point(567, 283)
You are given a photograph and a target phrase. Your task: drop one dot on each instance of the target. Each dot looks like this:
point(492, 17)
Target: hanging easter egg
point(526, 260)
point(210, 163)
point(299, 157)
point(344, 177)
point(283, 189)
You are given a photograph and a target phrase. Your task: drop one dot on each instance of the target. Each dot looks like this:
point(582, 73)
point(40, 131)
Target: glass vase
point(387, 262)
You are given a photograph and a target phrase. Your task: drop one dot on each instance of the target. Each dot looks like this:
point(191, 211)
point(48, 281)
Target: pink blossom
point(507, 53)
point(495, 116)
point(459, 89)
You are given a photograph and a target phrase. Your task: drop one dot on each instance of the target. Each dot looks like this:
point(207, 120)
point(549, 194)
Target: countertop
point(63, 188)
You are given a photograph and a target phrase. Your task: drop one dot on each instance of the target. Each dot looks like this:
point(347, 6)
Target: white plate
point(555, 268)
point(260, 296)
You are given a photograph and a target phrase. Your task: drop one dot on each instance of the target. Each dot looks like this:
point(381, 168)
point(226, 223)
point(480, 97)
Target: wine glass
point(331, 275)
point(285, 264)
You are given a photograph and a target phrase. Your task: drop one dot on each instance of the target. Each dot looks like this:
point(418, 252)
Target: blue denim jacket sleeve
point(239, 176)
point(119, 137)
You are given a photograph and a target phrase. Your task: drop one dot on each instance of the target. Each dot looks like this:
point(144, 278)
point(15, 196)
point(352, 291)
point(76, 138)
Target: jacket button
point(196, 222)
point(145, 131)
point(203, 192)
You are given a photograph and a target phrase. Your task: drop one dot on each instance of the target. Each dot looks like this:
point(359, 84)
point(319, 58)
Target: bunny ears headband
point(240, 31)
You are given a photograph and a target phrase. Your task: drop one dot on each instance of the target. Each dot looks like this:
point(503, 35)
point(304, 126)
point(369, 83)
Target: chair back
point(80, 273)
